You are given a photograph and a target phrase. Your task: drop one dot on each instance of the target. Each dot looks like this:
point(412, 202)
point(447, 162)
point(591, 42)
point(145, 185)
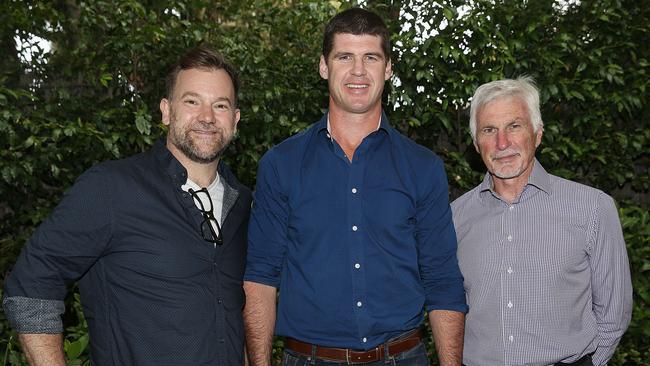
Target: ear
point(538, 137)
point(237, 117)
point(389, 70)
point(164, 110)
point(323, 70)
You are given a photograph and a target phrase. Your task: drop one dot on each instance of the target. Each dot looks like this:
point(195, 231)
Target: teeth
point(356, 86)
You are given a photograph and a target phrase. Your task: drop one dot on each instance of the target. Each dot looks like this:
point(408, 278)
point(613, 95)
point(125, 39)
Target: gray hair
point(523, 87)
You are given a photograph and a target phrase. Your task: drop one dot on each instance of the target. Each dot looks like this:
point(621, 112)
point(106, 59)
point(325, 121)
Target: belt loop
point(313, 354)
point(387, 360)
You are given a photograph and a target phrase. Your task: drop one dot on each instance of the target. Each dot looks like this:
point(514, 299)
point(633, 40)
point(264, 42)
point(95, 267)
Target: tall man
point(352, 224)
point(157, 242)
point(546, 271)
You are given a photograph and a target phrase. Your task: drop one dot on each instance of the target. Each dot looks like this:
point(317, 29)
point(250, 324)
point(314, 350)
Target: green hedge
point(95, 96)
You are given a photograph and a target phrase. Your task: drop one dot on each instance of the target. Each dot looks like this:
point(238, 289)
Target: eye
point(488, 130)
point(191, 101)
point(222, 106)
point(344, 58)
point(372, 58)
point(514, 126)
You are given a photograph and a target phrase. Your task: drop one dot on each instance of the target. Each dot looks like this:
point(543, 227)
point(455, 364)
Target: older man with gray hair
point(547, 277)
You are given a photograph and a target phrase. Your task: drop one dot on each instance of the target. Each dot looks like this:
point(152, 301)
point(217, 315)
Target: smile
point(204, 132)
point(357, 86)
point(506, 156)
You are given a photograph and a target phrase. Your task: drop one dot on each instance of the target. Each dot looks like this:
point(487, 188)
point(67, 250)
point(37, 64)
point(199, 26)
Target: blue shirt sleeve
point(267, 230)
point(436, 238)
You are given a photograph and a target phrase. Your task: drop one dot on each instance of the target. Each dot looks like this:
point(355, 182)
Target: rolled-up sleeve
point(436, 237)
point(27, 315)
point(61, 250)
point(610, 279)
point(267, 230)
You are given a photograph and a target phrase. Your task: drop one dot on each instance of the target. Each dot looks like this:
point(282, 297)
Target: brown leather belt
point(353, 357)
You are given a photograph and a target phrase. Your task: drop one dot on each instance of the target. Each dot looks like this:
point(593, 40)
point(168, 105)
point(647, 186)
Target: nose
point(503, 142)
point(358, 67)
point(206, 114)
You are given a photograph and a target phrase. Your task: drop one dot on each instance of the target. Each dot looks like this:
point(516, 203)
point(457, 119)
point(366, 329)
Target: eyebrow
point(376, 54)
point(494, 125)
point(196, 95)
point(516, 120)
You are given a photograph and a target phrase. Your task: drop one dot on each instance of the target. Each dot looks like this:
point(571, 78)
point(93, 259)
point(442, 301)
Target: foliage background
point(94, 96)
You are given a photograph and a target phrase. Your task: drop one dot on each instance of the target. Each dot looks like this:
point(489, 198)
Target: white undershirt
point(216, 190)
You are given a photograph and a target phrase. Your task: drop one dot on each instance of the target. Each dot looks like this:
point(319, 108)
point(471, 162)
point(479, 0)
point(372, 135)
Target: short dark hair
point(356, 21)
point(201, 58)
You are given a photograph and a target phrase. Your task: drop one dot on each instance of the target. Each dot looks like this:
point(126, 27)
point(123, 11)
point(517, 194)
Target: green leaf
point(143, 122)
point(105, 78)
point(448, 13)
point(74, 349)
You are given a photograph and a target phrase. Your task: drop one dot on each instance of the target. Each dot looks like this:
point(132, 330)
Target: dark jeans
point(417, 356)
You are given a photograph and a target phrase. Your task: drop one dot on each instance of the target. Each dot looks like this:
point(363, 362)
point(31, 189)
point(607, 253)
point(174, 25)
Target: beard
point(508, 171)
point(197, 151)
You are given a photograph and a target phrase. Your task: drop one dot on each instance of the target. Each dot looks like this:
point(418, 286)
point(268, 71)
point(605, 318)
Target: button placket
point(508, 235)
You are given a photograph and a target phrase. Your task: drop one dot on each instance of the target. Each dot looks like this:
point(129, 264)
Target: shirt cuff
point(264, 280)
point(28, 315)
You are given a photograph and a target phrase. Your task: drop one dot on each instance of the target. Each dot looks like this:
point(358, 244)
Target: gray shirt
point(547, 277)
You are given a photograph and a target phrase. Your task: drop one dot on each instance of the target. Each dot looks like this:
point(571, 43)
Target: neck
point(200, 173)
point(509, 189)
point(349, 129)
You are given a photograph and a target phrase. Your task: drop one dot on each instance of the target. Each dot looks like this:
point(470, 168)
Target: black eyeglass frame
point(215, 237)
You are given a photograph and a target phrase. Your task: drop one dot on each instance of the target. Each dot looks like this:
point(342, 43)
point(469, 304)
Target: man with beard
point(546, 271)
point(157, 242)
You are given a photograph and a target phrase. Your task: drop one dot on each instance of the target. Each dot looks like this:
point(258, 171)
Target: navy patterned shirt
point(153, 291)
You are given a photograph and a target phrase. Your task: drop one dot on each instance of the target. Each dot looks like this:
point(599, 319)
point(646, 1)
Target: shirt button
point(359, 304)
point(357, 265)
point(511, 208)
point(509, 304)
point(509, 237)
point(354, 190)
point(364, 340)
point(219, 301)
point(509, 270)
point(328, 136)
point(511, 338)
point(354, 228)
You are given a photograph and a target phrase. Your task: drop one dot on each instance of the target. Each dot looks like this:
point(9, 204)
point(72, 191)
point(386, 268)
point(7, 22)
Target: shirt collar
point(539, 178)
point(177, 171)
point(168, 162)
point(323, 126)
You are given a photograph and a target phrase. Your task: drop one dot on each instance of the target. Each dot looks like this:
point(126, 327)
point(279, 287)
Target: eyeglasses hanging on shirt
point(210, 228)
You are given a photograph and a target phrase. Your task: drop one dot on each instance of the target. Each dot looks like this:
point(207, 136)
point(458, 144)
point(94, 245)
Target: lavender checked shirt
point(547, 277)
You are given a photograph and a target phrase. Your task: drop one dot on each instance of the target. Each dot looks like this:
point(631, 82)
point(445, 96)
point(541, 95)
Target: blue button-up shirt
point(357, 249)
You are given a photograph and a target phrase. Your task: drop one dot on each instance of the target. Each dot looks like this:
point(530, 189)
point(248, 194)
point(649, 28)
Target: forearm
point(448, 328)
point(259, 321)
point(43, 349)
